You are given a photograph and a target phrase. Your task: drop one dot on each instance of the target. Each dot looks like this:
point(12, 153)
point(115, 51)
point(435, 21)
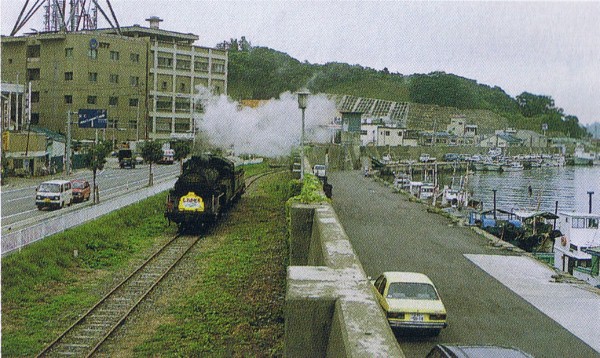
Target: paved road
point(18, 197)
point(389, 233)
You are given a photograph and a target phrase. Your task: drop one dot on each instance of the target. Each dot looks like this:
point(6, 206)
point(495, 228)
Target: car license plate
point(417, 317)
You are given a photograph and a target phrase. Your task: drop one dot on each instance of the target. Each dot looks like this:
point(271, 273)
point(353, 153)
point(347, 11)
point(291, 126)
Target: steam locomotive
point(207, 186)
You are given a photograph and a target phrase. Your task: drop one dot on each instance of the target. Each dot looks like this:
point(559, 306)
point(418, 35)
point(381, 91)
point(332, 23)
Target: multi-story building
point(145, 78)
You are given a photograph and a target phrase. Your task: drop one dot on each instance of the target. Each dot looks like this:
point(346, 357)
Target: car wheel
point(40, 207)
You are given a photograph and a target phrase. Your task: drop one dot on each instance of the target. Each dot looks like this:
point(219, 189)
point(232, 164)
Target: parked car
point(426, 158)
point(81, 190)
point(411, 301)
point(451, 157)
point(455, 351)
point(54, 194)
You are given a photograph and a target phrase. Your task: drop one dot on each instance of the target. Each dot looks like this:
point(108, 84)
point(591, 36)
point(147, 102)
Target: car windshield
point(412, 291)
point(78, 185)
point(49, 188)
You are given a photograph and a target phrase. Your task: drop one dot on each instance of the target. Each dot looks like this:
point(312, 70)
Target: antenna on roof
point(78, 15)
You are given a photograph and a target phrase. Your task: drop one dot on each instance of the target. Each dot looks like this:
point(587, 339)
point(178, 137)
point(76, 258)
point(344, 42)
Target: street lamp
point(302, 99)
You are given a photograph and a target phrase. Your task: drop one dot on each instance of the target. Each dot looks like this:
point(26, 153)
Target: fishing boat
point(581, 157)
point(574, 250)
point(513, 166)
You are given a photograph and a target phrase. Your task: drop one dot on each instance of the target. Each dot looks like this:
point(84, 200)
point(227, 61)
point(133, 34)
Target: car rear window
point(413, 291)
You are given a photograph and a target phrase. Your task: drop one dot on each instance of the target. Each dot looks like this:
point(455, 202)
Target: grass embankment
point(45, 286)
point(233, 301)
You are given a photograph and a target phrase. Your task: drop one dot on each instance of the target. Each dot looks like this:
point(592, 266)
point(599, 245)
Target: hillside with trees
point(264, 73)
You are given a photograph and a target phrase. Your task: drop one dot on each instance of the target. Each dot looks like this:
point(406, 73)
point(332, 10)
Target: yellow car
point(411, 301)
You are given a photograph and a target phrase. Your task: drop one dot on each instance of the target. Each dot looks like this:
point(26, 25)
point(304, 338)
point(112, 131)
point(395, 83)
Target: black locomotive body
point(207, 186)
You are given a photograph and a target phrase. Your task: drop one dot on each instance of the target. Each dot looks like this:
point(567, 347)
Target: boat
point(581, 157)
point(487, 164)
point(402, 181)
point(574, 251)
point(513, 167)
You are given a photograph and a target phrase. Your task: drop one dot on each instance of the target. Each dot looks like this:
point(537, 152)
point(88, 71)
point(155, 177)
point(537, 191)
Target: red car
point(81, 190)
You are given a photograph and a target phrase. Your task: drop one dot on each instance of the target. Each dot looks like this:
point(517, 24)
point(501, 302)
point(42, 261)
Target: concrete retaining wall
point(330, 309)
point(17, 239)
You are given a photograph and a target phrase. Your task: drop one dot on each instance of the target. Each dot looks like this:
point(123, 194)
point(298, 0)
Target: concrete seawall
point(330, 309)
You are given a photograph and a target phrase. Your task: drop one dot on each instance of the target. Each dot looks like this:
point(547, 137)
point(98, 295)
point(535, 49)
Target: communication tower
point(66, 15)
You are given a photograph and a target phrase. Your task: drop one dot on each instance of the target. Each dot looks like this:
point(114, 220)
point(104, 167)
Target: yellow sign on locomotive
point(191, 202)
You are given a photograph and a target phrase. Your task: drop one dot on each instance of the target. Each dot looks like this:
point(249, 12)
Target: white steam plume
point(271, 129)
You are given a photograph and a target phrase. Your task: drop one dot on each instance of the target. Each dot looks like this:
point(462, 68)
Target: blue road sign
point(92, 118)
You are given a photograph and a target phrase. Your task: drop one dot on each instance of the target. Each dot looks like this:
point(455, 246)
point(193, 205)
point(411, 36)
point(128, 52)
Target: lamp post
point(302, 99)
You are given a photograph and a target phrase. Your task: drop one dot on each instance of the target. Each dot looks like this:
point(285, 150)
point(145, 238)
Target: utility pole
point(68, 146)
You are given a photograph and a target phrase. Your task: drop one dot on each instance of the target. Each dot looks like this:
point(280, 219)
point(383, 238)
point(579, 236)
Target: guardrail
point(15, 240)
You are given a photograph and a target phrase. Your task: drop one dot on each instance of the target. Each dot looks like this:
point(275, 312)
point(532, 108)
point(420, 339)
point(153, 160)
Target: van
point(319, 171)
point(54, 194)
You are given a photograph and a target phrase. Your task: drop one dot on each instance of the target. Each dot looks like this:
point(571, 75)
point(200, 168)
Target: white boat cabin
point(580, 233)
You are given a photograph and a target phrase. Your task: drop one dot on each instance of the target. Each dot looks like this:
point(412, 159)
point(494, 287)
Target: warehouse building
point(144, 77)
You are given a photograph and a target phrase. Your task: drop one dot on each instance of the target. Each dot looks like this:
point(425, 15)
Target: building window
point(9, 61)
point(165, 62)
point(201, 66)
point(68, 76)
point(35, 118)
point(113, 101)
point(182, 126)
point(134, 57)
point(93, 76)
point(133, 102)
point(134, 81)
point(114, 78)
point(133, 124)
point(35, 97)
point(387, 133)
point(93, 53)
point(33, 74)
point(33, 51)
point(92, 99)
point(182, 105)
point(182, 87)
point(218, 68)
point(184, 65)
point(69, 52)
point(164, 104)
point(163, 86)
point(68, 99)
point(114, 55)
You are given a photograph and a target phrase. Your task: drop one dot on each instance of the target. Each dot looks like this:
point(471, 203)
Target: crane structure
point(66, 15)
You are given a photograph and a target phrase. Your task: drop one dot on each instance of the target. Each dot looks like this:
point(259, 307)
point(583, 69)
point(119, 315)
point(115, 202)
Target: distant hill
point(264, 73)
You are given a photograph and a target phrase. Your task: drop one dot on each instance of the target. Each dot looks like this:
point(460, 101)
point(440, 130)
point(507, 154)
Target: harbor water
point(536, 188)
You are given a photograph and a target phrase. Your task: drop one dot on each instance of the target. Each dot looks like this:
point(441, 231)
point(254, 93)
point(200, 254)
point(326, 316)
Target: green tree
point(532, 105)
point(95, 160)
point(182, 150)
point(151, 152)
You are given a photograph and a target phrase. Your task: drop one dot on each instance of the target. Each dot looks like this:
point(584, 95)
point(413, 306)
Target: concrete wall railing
point(17, 239)
point(330, 307)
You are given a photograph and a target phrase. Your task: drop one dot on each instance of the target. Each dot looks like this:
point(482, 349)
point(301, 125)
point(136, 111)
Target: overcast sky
point(546, 48)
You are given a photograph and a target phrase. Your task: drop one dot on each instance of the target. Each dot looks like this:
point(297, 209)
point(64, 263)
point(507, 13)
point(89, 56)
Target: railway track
point(86, 335)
